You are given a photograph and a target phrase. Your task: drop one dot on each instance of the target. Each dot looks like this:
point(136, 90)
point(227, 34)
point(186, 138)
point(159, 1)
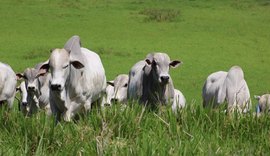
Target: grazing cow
point(78, 79)
point(235, 91)
point(179, 101)
point(37, 89)
point(149, 80)
point(119, 85)
point(263, 103)
point(211, 87)
point(8, 81)
point(229, 87)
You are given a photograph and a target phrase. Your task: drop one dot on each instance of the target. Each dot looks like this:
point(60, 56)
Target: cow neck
point(72, 81)
point(153, 91)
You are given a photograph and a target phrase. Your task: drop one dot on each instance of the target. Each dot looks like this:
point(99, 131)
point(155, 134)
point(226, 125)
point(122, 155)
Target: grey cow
point(78, 79)
point(116, 90)
point(235, 91)
point(150, 81)
point(263, 104)
point(8, 81)
point(211, 88)
point(229, 87)
point(37, 87)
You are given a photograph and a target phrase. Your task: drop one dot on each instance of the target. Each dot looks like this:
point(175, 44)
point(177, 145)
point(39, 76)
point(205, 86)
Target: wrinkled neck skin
point(153, 91)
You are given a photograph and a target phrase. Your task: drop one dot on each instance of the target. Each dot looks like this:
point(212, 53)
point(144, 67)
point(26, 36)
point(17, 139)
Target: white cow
point(235, 91)
point(78, 79)
point(228, 87)
point(263, 103)
point(149, 80)
point(8, 81)
point(179, 101)
point(117, 89)
point(211, 88)
point(37, 90)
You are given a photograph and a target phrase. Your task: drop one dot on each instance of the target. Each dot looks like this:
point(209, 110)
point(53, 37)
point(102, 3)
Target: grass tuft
point(160, 15)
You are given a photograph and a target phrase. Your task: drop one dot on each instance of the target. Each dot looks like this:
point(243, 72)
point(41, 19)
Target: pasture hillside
point(206, 35)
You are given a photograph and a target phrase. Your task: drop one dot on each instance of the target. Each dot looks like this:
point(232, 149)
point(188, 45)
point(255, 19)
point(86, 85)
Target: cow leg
point(10, 102)
point(87, 106)
point(67, 116)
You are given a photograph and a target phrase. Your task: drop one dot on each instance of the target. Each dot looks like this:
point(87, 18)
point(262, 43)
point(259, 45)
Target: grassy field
point(207, 35)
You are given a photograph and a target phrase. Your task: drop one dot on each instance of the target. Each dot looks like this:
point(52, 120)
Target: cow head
point(31, 82)
point(159, 64)
point(120, 84)
point(60, 64)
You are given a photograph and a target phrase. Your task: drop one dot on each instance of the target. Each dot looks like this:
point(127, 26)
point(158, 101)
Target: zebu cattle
point(8, 81)
point(37, 90)
point(149, 80)
point(235, 91)
point(119, 94)
point(211, 88)
point(78, 79)
point(263, 103)
point(179, 101)
point(229, 87)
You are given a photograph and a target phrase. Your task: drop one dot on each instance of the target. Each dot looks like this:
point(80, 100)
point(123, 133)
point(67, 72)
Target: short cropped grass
point(206, 35)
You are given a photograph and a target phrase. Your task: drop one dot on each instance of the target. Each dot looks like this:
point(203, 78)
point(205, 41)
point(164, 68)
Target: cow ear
point(257, 97)
point(148, 62)
point(20, 76)
point(77, 64)
point(43, 69)
point(110, 83)
point(175, 63)
point(51, 50)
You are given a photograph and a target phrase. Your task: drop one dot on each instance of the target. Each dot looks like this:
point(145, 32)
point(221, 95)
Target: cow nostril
point(31, 88)
point(56, 87)
point(164, 78)
point(114, 100)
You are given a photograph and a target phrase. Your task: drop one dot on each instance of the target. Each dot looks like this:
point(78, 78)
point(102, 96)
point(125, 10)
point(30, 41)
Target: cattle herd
point(73, 78)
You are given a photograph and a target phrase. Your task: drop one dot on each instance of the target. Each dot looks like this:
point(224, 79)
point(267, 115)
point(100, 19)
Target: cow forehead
point(59, 57)
point(121, 79)
point(159, 57)
point(30, 73)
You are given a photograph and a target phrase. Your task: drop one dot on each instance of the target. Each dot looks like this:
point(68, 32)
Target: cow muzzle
point(31, 88)
point(114, 100)
point(24, 104)
point(164, 79)
point(56, 87)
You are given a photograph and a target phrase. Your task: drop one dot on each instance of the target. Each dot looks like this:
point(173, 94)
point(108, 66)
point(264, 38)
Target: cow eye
point(126, 85)
point(65, 66)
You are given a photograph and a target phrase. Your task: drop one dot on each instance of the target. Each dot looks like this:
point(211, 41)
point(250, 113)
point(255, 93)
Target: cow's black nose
point(31, 88)
point(164, 79)
point(114, 100)
point(24, 103)
point(56, 87)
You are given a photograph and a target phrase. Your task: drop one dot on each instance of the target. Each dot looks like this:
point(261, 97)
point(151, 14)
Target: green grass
point(207, 35)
